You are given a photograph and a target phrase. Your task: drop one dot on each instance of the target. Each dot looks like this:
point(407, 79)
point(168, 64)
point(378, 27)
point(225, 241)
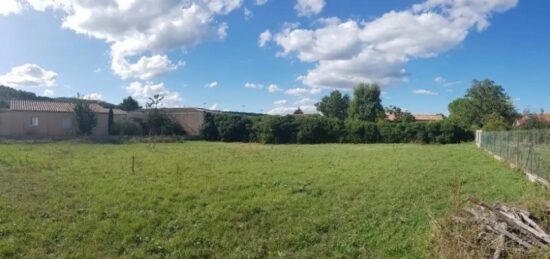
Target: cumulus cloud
point(143, 30)
point(253, 86)
point(93, 96)
point(349, 52)
point(444, 82)
point(214, 107)
point(264, 38)
point(273, 88)
point(261, 2)
point(48, 93)
point(142, 91)
point(248, 14)
point(29, 75)
point(280, 102)
point(212, 84)
point(309, 7)
point(8, 7)
point(424, 92)
point(300, 91)
point(286, 110)
point(305, 102)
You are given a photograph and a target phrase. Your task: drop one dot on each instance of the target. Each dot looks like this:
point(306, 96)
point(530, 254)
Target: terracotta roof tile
point(44, 106)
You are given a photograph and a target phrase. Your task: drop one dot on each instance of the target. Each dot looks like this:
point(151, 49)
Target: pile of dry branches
point(498, 231)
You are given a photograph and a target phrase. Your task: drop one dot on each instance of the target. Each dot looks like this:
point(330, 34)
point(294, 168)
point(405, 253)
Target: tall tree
point(334, 105)
point(129, 104)
point(366, 104)
point(482, 99)
point(111, 121)
point(298, 111)
point(86, 119)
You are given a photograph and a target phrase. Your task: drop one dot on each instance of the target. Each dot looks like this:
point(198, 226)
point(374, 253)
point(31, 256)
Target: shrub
point(357, 131)
point(157, 122)
point(208, 130)
point(127, 128)
point(276, 130)
point(317, 129)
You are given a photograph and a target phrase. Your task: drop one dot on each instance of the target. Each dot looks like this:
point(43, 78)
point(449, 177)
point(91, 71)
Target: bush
point(357, 131)
point(276, 130)
point(228, 128)
point(157, 122)
point(317, 129)
point(127, 128)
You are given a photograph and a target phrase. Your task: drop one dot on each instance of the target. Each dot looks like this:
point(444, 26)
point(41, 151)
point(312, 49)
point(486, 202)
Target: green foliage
point(495, 122)
point(86, 119)
point(366, 104)
point(218, 200)
point(111, 122)
point(8, 93)
point(399, 115)
point(534, 121)
point(228, 128)
point(129, 104)
point(127, 128)
point(157, 122)
point(335, 105)
point(483, 98)
point(298, 111)
point(276, 130)
point(361, 132)
point(317, 129)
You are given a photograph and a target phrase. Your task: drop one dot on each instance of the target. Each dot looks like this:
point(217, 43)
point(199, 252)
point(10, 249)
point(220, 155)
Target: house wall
point(18, 123)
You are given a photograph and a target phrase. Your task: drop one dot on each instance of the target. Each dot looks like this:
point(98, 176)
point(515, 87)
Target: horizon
point(262, 56)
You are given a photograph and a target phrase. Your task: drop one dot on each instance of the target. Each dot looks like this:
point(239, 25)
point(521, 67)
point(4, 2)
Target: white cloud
point(444, 82)
point(248, 14)
point(29, 75)
point(253, 86)
point(212, 84)
point(303, 91)
point(214, 107)
point(261, 2)
point(8, 7)
point(285, 110)
point(264, 38)
point(144, 29)
point(93, 96)
point(280, 102)
point(48, 93)
point(309, 7)
point(142, 91)
point(272, 88)
point(424, 92)
point(97, 70)
point(350, 52)
point(305, 102)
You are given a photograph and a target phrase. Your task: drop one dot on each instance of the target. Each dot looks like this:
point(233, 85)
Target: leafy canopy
point(334, 105)
point(366, 104)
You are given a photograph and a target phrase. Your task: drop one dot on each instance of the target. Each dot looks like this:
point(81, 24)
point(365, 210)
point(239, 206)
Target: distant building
point(420, 117)
point(56, 119)
point(541, 117)
point(49, 119)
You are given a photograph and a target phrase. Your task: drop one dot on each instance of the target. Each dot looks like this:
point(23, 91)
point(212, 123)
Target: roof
point(428, 117)
point(44, 106)
point(542, 117)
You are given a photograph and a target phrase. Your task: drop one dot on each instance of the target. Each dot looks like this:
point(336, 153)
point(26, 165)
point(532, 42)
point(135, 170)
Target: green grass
point(199, 199)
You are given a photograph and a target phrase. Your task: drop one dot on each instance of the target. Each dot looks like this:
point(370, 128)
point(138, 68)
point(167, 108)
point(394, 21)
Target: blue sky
point(208, 53)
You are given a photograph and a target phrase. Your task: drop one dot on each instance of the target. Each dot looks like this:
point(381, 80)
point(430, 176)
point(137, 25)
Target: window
point(34, 121)
point(66, 123)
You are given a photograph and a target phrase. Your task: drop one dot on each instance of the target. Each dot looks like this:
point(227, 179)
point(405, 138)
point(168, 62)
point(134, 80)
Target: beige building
point(49, 119)
point(56, 119)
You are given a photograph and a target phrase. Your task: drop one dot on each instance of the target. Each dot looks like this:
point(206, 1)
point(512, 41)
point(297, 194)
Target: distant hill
point(8, 93)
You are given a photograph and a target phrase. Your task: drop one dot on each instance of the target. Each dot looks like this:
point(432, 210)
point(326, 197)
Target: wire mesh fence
point(527, 150)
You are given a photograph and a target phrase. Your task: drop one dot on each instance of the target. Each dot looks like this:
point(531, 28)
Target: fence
point(527, 150)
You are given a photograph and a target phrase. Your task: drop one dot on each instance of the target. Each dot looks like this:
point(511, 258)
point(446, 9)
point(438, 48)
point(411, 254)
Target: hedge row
point(317, 129)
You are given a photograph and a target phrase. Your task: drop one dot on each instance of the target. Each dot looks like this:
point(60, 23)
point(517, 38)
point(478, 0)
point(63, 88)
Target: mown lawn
point(198, 199)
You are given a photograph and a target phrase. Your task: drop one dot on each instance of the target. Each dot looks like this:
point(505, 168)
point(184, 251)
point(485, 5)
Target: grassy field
point(198, 199)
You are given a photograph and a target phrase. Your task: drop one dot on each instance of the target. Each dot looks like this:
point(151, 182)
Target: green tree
point(334, 105)
point(298, 111)
point(400, 115)
point(366, 104)
point(111, 121)
point(86, 119)
point(129, 104)
point(495, 122)
point(483, 98)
